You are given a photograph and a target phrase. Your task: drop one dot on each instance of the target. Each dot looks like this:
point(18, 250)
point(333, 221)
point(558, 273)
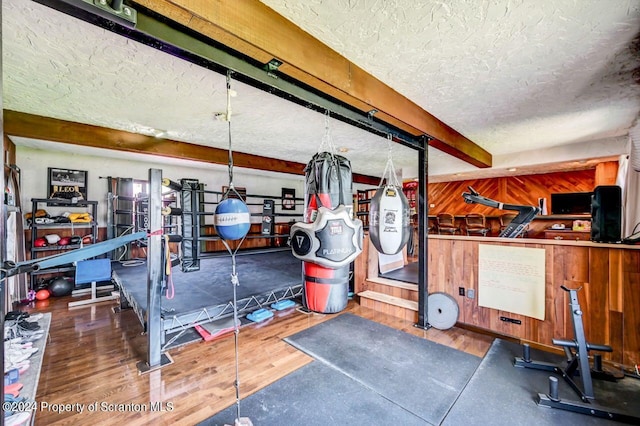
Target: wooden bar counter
point(536, 228)
point(610, 297)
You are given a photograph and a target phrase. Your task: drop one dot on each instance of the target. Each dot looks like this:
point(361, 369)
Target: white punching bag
point(389, 225)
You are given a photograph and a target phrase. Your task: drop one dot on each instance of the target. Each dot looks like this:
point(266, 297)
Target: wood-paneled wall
point(525, 190)
point(610, 298)
point(8, 151)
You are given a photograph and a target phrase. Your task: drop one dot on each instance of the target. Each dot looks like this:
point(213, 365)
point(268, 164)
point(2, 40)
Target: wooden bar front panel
point(608, 273)
point(610, 297)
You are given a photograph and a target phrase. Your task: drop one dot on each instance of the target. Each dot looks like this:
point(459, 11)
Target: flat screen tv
point(571, 203)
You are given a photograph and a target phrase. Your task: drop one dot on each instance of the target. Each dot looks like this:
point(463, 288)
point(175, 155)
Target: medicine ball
point(64, 241)
point(75, 240)
point(232, 219)
point(60, 287)
point(42, 294)
point(39, 242)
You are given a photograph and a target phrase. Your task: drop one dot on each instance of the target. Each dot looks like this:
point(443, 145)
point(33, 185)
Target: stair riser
point(396, 311)
point(393, 291)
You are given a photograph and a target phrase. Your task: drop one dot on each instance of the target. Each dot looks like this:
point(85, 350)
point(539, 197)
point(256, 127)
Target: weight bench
point(92, 271)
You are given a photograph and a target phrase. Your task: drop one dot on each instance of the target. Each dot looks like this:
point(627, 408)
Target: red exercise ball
point(43, 294)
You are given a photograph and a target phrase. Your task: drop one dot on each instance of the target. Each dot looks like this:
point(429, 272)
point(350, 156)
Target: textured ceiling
point(510, 75)
point(57, 66)
point(532, 82)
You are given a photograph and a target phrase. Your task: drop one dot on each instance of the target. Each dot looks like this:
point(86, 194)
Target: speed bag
point(232, 219)
point(389, 226)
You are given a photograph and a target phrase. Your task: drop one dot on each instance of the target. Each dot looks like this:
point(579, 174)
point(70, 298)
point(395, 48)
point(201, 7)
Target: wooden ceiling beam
point(255, 30)
point(52, 129)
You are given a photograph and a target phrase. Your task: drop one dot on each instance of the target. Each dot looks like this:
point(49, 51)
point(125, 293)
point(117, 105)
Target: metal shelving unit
point(38, 230)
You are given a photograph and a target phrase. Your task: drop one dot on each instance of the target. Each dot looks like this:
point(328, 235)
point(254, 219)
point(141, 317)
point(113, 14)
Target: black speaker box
point(606, 214)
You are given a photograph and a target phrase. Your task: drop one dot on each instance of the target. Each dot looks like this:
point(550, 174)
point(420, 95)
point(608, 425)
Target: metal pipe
point(154, 271)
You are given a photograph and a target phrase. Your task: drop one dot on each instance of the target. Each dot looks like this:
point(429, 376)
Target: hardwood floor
point(92, 352)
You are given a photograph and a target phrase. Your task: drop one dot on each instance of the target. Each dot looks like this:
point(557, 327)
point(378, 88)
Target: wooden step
point(391, 300)
point(394, 283)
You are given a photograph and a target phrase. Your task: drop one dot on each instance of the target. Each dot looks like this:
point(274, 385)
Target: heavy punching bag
point(328, 184)
point(389, 224)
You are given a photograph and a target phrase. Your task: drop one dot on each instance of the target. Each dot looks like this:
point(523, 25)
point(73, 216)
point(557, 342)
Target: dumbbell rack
point(38, 230)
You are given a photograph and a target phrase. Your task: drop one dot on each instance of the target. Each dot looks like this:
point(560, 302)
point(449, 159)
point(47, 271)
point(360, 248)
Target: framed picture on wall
point(288, 199)
point(239, 190)
point(66, 184)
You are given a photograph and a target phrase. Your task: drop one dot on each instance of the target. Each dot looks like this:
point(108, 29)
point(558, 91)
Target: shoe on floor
point(32, 338)
point(34, 317)
point(17, 345)
point(11, 376)
point(15, 315)
point(13, 389)
point(15, 350)
point(32, 326)
point(17, 419)
point(21, 366)
point(16, 358)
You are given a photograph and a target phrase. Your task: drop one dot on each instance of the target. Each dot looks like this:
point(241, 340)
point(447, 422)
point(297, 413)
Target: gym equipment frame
point(519, 223)
point(577, 363)
point(142, 286)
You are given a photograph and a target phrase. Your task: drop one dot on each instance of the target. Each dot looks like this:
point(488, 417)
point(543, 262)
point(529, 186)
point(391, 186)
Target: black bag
point(329, 182)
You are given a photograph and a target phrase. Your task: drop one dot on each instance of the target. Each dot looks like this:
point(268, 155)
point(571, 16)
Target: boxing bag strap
point(389, 169)
point(333, 240)
point(328, 146)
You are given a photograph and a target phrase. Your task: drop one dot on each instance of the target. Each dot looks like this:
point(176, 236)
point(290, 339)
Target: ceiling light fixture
point(511, 169)
point(343, 149)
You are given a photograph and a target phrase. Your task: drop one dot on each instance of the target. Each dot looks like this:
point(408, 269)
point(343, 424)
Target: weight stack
point(606, 214)
point(328, 184)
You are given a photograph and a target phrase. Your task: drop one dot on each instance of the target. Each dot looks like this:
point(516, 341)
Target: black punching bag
point(606, 214)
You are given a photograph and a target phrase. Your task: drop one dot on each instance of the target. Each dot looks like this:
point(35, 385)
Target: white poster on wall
point(512, 279)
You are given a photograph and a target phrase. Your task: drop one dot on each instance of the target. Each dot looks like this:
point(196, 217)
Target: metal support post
point(155, 357)
point(423, 246)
